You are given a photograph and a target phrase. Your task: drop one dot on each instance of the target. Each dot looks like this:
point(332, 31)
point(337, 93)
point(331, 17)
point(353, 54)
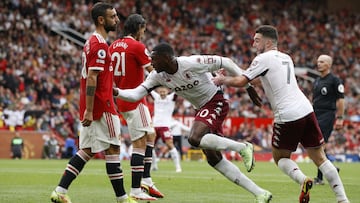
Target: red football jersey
point(95, 56)
point(129, 58)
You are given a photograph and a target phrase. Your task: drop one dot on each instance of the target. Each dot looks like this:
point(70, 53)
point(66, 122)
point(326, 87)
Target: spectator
point(17, 146)
point(308, 31)
point(70, 148)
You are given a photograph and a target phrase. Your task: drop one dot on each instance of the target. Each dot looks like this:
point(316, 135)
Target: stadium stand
point(40, 51)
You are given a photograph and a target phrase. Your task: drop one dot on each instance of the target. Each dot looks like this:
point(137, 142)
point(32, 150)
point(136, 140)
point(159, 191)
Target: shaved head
point(326, 58)
point(324, 63)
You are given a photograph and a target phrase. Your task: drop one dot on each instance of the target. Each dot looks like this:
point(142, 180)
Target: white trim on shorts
point(101, 133)
point(139, 122)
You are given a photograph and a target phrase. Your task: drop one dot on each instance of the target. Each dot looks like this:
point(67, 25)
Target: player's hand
point(218, 79)
point(254, 96)
point(88, 118)
point(115, 92)
point(339, 123)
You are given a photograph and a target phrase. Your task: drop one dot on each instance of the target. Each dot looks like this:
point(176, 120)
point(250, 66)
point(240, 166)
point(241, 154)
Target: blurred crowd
point(40, 70)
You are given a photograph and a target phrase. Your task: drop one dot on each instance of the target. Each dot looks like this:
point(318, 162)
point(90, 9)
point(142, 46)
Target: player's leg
point(72, 170)
point(285, 140)
point(155, 159)
point(174, 154)
point(177, 140)
point(111, 133)
point(290, 168)
point(115, 173)
point(137, 133)
point(325, 120)
point(200, 137)
point(233, 173)
point(74, 166)
point(147, 183)
point(329, 171)
point(167, 138)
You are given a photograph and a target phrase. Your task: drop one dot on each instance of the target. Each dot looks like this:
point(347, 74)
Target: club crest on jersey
point(167, 79)
point(254, 63)
point(187, 75)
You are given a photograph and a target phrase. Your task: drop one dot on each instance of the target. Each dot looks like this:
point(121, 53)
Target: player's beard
point(109, 27)
point(260, 50)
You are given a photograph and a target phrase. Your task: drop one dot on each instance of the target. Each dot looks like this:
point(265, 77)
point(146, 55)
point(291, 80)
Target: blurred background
point(40, 62)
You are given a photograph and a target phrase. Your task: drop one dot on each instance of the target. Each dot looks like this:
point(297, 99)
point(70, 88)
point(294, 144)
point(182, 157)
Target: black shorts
point(326, 119)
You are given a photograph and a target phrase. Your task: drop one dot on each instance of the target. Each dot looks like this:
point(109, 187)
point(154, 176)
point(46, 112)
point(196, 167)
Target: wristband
point(339, 117)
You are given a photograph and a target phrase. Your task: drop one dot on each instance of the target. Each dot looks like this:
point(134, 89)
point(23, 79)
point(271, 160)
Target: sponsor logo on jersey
point(324, 91)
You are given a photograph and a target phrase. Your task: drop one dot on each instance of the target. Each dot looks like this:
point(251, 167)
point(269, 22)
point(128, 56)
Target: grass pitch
point(31, 181)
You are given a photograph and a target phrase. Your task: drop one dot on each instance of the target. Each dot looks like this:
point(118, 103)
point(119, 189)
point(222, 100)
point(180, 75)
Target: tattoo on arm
point(90, 90)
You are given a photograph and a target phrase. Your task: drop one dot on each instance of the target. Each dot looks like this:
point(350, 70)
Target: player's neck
point(174, 66)
point(271, 48)
point(324, 73)
point(102, 32)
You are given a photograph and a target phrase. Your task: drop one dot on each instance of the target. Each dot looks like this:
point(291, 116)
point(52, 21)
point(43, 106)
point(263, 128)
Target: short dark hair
point(268, 31)
point(99, 9)
point(163, 49)
point(132, 22)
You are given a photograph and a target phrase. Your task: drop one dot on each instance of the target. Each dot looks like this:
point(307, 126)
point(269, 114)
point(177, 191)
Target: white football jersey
point(191, 81)
point(163, 109)
point(276, 71)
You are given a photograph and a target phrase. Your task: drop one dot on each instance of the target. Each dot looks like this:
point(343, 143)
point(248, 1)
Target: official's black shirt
point(326, 91)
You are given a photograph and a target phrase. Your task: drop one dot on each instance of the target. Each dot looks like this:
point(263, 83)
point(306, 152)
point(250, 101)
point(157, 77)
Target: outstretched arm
point(130, 95)
point(234, 81)
point(230, 67)
point(239, 81)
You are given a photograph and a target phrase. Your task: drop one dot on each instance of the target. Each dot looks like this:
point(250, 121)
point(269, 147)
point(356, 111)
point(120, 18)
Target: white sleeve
point(154, 94)
point(184, 127)
point(220, 62)
point(257, 67)
point(132, 95)
point(231, 67)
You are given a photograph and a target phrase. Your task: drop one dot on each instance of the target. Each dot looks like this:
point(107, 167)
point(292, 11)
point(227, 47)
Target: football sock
point(137, 167)
point(215, 142)
point(332, 176)
point(115, 174)
point(154, 164)
point(148, 159)
point(233, 173)
point(175, 157)
point(72, 170)
point(290, 168)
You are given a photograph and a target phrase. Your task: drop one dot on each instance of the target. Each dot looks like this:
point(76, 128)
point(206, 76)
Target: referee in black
point(328, 102)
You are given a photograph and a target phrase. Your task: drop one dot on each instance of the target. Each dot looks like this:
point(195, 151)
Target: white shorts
point(139, 122)
point(101, 133)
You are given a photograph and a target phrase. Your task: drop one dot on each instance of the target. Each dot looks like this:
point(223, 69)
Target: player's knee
point(113, 149)
point(213, 160)
point(194, 141)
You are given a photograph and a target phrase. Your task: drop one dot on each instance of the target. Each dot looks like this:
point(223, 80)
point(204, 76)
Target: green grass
point(31, 181)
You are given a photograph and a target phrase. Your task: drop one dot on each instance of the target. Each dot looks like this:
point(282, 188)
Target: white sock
point(147, 181)
point(215, 142)
point(61, 189)
point(124, 197)
point(332, 176)
point(175, 157)
point(154, 163)
point(290, 168)
point(233, 173)
point(135, 190)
